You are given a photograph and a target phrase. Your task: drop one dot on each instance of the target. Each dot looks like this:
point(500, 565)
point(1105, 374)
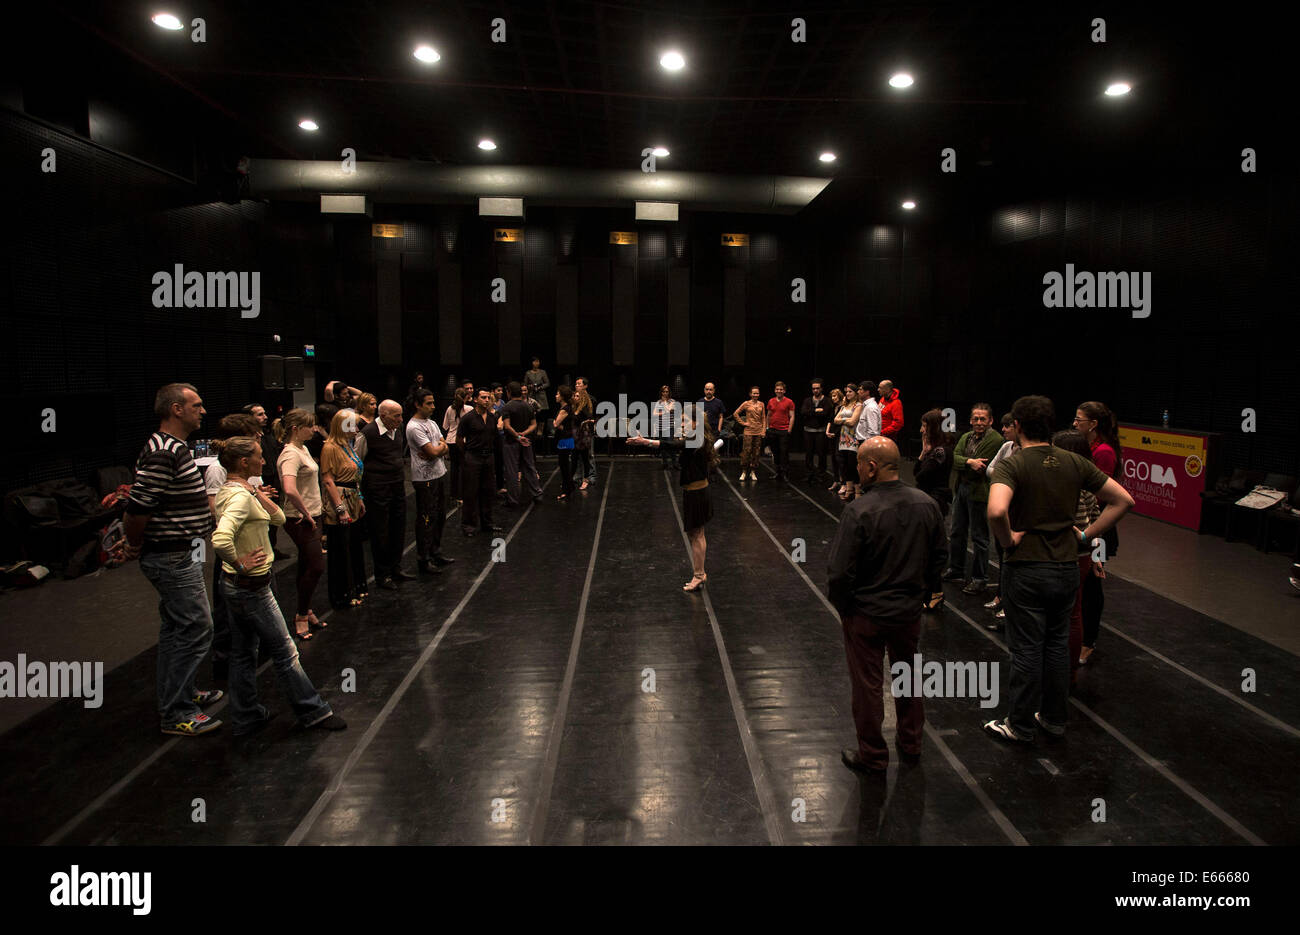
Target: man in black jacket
point(816, 413)
point(383, 485)
point(887, 558)
point(476, 434)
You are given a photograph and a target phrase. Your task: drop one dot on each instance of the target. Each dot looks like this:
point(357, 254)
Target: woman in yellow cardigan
point(244, 516)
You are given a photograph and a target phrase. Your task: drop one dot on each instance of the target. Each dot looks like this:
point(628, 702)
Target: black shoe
point(388, 584)
point(428, 568)
point(400, 575)
point(255, 728)
point(331, 722)
point(973, 587)
point(442, 562)
point(853, 761)
point(951, 575)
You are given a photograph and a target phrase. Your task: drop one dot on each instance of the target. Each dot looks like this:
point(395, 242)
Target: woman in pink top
point(1096, 423)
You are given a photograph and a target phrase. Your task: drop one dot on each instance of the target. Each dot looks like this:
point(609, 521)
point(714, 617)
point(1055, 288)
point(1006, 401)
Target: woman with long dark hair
point(244, 514)
point(833, 433)
point(584, 420)
point(1098, 425)
point(696, 460)
point(450, 423)
point(932, 469)
point(300, 481)
point(846, 420)
point(1087, 512)
point(563, 428)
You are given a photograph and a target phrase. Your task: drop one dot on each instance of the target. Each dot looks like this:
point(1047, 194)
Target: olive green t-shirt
point(1046, 481)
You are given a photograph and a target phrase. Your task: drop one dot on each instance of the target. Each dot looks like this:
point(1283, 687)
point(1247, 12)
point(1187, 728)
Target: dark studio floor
point(504, 703)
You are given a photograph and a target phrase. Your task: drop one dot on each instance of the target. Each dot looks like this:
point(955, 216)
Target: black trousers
point(430, 512)
point(345, 563)
point(816, 444)
point(779, 441)
point(457, 458)
point(476, 478)
point(386, 510)
point(498, 461)
point(566, 470)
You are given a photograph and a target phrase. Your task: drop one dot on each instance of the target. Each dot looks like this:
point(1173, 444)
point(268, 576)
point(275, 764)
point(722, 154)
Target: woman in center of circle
point(695, 462)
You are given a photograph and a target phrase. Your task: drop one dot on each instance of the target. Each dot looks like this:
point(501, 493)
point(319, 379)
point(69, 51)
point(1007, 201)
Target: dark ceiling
point(1017, 92)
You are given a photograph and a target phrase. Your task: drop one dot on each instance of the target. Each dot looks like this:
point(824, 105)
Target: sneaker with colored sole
point(205, 698)
point(199, 724)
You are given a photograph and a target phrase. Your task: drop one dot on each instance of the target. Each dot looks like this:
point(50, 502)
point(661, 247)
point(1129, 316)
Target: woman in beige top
point(300, 481)
point(244, 516)
point(450, 423)
point(752, 414)
point(340, 475)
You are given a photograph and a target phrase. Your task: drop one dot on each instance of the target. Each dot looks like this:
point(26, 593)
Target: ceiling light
point(659, 151)
point(427, 54)
point(167, 21)
point(827, 157)
point(901, 80)
point(672, 61)
point(1118, 88)
point(486, 145)
point(309, 124)
point(909, 205)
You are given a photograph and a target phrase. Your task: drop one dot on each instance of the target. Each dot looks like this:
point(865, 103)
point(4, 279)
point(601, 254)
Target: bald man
point(383, 485)
point(887, 558)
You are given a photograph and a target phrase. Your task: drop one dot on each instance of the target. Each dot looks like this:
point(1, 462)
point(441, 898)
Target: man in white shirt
point(429, 477)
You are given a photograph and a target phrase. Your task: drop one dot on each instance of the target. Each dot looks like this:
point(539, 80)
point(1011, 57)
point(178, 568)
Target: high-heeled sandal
point(301, 636)
point(935, 602)
point(313, 623)
point(695, 583)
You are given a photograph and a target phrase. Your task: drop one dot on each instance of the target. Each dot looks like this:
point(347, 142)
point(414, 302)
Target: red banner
point(1164, 471)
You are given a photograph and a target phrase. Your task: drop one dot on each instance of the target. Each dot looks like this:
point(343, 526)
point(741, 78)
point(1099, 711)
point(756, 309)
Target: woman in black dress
point(695, 462)
point(564, 438)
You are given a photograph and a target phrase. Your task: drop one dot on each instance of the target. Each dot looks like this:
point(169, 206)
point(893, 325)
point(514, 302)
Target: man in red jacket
point(891, 411)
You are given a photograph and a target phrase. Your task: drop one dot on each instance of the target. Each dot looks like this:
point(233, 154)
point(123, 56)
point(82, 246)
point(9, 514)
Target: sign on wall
point(508, 234)
point(735, 240)
point(1164, 471)
point(622, 237)
point(387, 230)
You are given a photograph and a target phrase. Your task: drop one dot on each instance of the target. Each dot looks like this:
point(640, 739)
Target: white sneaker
point(742, 475)
point(752, 476)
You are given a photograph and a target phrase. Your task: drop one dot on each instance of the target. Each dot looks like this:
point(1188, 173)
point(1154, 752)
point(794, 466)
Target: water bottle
point(1164, 418)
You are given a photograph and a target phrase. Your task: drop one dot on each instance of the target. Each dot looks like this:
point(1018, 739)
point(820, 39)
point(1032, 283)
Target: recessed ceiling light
point(427, 54)
point(659, 151)
point(672, 61)
point(909, 205)
point(487, 145)
point(827, 157)
point(1118, 88)
point(901, 80)
point(167, 21)
point(309, 124)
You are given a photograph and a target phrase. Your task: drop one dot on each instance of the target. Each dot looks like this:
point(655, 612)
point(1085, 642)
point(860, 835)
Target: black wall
point(948, 306)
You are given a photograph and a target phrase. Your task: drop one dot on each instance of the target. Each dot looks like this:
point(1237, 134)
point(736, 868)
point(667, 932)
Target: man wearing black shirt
point(816, 413)
point(383, 485)
point(520, 426)
point(887, 557)
point(476, 435)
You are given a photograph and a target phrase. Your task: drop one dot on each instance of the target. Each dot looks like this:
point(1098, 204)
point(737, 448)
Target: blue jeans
point(186, 632)
point(1038, 598)
point(255, 618)
point(972, 515)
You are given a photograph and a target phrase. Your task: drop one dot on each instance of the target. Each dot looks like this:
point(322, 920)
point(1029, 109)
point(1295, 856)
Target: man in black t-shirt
point(476, 435)
point(520, 425)
point(1033, 498)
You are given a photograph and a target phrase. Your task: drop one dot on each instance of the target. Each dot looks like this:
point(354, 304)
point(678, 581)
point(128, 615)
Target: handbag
point(564, 444)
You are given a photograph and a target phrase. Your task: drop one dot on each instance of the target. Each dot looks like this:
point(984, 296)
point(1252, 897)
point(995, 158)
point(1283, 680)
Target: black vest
point(385, 458)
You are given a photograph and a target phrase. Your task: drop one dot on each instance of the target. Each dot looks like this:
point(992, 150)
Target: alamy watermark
point(1098, 290)
point(650, 420)
point(951, 679)
point(37, 679)
point(179, 289)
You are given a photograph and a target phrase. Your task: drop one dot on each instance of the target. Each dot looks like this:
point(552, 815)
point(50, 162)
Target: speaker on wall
point(293, 373)
point(272, 372)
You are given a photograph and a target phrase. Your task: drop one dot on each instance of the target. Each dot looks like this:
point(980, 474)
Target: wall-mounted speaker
point(273, 372)
point(293, 373)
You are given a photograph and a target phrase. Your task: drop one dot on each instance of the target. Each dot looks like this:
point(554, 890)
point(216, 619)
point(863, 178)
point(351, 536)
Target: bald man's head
point(390, 413)
point(877, 460)
point(885, 388)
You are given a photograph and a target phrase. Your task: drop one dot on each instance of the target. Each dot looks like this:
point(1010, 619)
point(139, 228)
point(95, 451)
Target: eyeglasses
point(1077, 420)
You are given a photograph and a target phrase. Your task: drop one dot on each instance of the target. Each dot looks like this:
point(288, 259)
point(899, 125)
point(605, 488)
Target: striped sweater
point(169, 487)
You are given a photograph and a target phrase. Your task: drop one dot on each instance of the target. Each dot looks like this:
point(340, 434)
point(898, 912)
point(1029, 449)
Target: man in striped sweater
point(168, 524)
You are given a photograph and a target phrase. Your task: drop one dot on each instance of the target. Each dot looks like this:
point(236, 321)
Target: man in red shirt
point(891, 411)
point(780, 417)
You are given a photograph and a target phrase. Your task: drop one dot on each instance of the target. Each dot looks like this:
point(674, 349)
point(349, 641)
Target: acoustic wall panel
point(509, 330)
point(449, 313)
point(733, 317)
point(566, 315)
point(679, 316)
point(623, 308)
point(388, 296)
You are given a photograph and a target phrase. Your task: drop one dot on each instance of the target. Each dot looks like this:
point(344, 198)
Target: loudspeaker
point(273, 372)
point(293, 373)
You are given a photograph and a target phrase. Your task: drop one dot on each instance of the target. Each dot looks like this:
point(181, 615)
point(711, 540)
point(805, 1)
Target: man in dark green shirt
point(1031, 510)
point(970, 489)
